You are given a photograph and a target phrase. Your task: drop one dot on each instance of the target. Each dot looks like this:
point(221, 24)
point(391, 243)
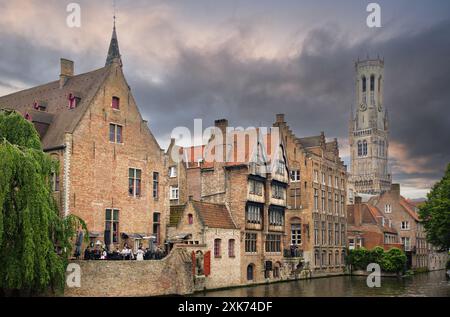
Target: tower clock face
point(363, 106)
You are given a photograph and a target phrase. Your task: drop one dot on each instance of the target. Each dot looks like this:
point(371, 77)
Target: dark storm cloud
point(313, 87)
point(315, 90)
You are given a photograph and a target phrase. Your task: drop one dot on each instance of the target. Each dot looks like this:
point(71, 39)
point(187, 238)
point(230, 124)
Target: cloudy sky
point(247, 60)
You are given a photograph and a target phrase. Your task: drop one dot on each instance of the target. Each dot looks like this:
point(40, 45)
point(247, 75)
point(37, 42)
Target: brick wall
point(98, 178)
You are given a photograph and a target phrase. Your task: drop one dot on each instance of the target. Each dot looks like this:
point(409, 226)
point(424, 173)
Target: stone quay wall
point(170, 276)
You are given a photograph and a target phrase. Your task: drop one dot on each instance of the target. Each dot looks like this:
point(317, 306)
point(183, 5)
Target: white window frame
point(404, 225)
point(387, 209)
point(295, 176)
point(174, 193)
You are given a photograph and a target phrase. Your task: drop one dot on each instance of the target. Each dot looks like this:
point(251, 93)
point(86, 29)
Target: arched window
point(250, 272)
point(379, 84)
point(364, 84)
point(336, 258)
point(365, 148)
point(360, 151)
point(190, 219)
point(343, 258)
point(372, 83)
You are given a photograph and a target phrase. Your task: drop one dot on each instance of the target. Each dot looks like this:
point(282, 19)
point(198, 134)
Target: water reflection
point(427, 284)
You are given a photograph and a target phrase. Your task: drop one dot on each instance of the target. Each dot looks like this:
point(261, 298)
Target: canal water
point(424, 284)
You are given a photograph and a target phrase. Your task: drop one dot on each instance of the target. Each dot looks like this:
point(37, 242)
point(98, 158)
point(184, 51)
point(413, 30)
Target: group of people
point(101, 253)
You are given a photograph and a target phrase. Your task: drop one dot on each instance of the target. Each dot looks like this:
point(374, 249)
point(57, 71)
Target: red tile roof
point(409, 209)
point(214, 215)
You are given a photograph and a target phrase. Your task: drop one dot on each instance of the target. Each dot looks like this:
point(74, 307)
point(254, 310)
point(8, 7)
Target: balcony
point(293, 253)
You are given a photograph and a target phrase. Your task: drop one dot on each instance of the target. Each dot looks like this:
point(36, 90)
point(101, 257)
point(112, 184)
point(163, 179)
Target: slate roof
point(56, 99)
point(312, 141)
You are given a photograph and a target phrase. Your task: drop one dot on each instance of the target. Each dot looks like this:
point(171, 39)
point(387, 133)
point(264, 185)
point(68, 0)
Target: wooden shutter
point(193, 263)
point(207, 263)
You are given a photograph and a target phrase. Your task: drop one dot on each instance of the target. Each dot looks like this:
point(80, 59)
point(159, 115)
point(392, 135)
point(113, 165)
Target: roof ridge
point(50, 83)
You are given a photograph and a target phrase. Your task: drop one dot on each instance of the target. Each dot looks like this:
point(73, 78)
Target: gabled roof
point(214, 215)
point(56, 99)
point(409, 209)
point(370, 216)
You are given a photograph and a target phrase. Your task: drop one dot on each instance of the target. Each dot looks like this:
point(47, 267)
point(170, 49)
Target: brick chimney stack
point(222, 124)
point(357, 209)
point(67, 71)
point(280, 118)
point(395, 190)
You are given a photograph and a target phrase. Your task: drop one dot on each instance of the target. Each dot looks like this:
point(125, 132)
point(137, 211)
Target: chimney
point(67, 71)
point(280, 118)
point(222, 124)
point(395, 190)
point(357, 209)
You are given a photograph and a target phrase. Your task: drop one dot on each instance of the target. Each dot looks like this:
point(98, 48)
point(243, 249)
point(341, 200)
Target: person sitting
point(147, 254)
point(104, 255)
point(87, 254)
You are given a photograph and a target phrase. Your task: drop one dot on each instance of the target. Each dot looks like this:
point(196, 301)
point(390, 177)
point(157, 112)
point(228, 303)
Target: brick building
point(251, 180)
point(405, 219)
point(211, 236)
point(316, 203)
point(367, 227)
point(112, 170)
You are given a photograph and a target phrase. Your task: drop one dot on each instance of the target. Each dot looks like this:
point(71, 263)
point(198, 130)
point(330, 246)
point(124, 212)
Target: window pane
point(119, 134)
point(108, 214)
point(112, 132)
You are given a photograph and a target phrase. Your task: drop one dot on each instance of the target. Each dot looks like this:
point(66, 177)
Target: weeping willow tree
point(35, 242)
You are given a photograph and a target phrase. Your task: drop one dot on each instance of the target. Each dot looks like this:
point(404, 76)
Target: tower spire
point(114, 51)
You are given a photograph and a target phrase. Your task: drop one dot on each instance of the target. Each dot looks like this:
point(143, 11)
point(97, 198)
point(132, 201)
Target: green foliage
point(391, 261)
point(16, 130)
point(435, 213)
point(31, 230)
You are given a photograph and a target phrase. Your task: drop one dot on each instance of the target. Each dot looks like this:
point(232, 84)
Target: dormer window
point(115, 103)
point(39, 106)
point(74, 101)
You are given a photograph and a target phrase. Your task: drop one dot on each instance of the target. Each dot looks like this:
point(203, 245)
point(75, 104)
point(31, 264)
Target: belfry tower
point(369, 131)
